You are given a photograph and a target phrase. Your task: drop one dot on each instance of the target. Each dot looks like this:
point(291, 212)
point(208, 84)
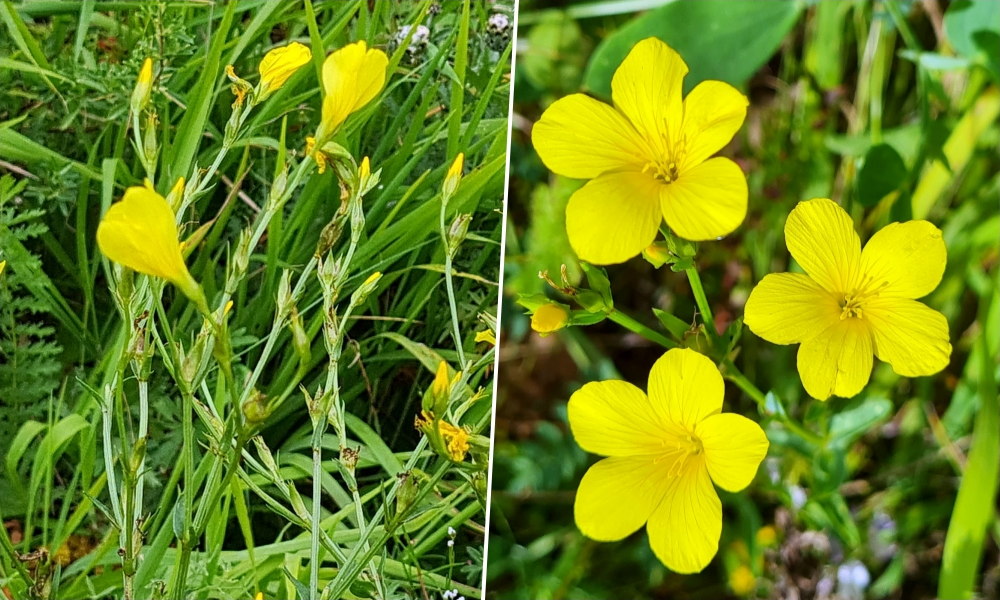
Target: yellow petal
point(837, 362)
point(734, 446)
point(614, 418)
point(582, 138)
point(909, 336)
point(3, 264)
point(140, 233)
point(707, 201)
point(907, 259)
point(684, 529)
point(613, 217)
point(787, 308)
point(352, 77)
point(281, 63)
point(549, 318)
point(685, 387)
point(820, 236)
point(713, 113)
point(647, 87)
point(617, 495)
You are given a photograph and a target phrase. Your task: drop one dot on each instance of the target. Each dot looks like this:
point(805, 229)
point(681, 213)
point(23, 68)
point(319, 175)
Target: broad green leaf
point(718, 39)
point(848, 425)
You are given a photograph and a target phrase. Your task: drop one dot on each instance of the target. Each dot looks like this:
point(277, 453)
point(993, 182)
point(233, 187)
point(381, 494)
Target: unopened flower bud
point(150, 148)
point(453, 178)
point(143, 86)
point(366, 288)
point(457, 232)
point(549, 318)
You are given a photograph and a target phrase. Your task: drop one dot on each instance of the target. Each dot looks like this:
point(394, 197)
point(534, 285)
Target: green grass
point(889, 111)
point(134, 464)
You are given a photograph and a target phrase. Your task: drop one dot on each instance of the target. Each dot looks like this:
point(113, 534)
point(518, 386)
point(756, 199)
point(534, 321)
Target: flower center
point(680, 451)
point(665, 171)
point(851, 307)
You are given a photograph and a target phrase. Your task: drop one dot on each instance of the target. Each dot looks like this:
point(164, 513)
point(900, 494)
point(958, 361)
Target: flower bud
point(549, 318)
point(657, 254)
point(176, 195)
point(457, 232)
point(365, 289)
point(150, 149)
point(453, 178)
point(143, 86)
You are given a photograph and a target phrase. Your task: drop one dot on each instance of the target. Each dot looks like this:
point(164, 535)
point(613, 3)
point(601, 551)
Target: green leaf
point(847, 426)
point(967, 21)
point(883, 172)
point(975, 504)
point(676, 326)
point(718, 39)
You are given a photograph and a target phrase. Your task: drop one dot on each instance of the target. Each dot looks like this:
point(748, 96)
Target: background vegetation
point(888, 107)
point(66, 75)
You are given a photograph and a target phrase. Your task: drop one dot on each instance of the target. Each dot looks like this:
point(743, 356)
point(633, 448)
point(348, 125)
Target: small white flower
point(451, 532)
point(451, 543)
point(499, 21)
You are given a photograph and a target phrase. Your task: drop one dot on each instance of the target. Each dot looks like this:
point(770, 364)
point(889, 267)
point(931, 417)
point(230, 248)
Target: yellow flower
point(352, 77)
point(143, 86)
point(766, 536)
point(742, 581)
point(853, 303)
point(454, 176)
point(456, 438)
point(647, 157)
point(549, 318)
point(280, 64)
point(665, 451)
point(140, 232)
point(486, 336)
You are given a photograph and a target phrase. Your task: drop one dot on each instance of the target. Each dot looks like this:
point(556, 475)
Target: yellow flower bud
point(140, 233)
point(486, 336)
point(441, 388)
point(280, 64)
point(549, 318)
point(742, 581)
point(176, 195)
point(352, 77)
point(454, 176)
point(143, 86)
point(365, 170)
point(657, 254)
point(3, 265)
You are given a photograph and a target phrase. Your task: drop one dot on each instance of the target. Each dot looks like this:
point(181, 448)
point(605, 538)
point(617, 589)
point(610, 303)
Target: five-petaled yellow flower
point(853, 303)
point(280, 64)
point(665, 451)
point(140, 232)
point(352, 77)
point(647, 157)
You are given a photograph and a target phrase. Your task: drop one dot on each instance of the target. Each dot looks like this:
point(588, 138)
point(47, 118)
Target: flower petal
point(684, 529)
point(352, 77)
point(617, 495)
point(613, 217)
point(281, 63)
point(685, 387)
point(837, 361)
point(614, 418)
point(140, 232)
point(582, 138)
point(910, 336)
point(734, 446)
point(713, 113)
point(787, 308)
point(707, 201)
point(907, 258)
point(647, 87)
point(820, 236)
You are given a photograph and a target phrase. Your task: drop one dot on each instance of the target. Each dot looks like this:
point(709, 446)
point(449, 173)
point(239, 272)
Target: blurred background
point(889, 108)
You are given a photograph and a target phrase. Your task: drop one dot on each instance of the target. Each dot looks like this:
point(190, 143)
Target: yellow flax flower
point(140, 232)
point(853, 303)
point(665, 451)
point(549, 318)
point(280, 64)
point(647, 157)
point(352, 77)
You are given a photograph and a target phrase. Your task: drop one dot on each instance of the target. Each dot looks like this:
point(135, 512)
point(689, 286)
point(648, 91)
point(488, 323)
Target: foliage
point(884, 107)
point(221, 474)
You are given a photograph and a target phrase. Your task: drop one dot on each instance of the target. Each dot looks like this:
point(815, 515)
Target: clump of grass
point(267, 445)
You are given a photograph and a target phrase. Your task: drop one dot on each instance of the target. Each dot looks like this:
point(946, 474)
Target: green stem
point(638, 328)
point(701, 300)
point(732, 373)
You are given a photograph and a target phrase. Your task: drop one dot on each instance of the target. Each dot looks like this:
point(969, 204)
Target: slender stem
point(702, 301)
point(449, 284)
point(732, 373)
point(636, 327)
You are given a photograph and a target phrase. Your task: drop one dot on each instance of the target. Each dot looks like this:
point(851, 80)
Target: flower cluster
point(649, 160)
